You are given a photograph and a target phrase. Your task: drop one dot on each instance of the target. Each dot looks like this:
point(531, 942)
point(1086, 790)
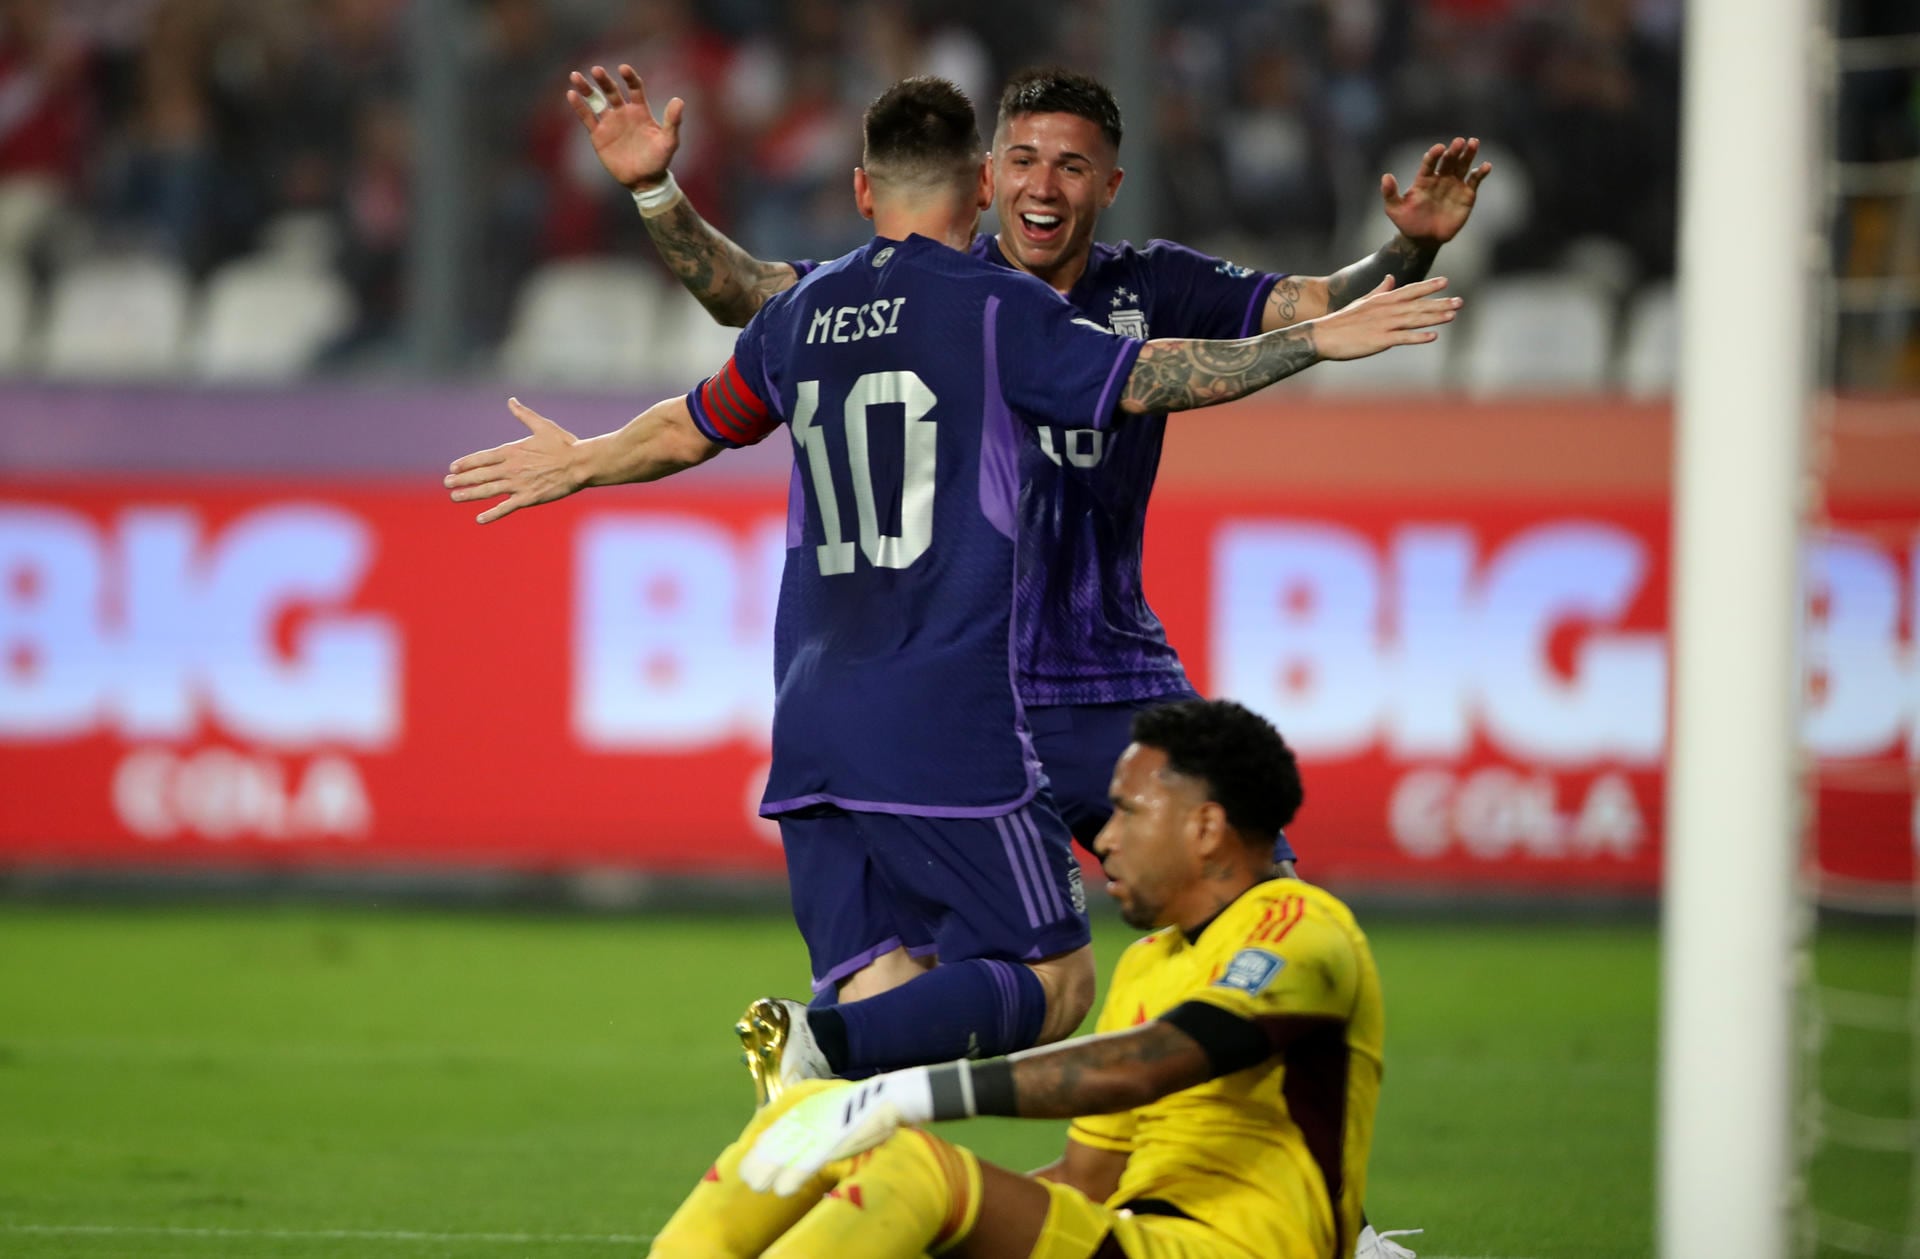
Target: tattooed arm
point(1400, 258)
point(1428, 214)
point(1099, 1075)
point(730, 282)
point(1301, 297)
point(636, 148)
point(1173, 375)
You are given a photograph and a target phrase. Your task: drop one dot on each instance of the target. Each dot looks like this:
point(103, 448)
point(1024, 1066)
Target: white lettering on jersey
point(842, 324)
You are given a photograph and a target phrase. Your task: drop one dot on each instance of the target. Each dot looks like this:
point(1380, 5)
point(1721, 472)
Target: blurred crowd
point(211, 129)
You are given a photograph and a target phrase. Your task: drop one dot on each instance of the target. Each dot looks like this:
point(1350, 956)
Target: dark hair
point(921, 128)
point(1248, 768)
point(1056, 90)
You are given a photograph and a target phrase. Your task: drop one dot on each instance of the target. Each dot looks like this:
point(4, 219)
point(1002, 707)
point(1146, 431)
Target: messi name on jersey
point(840, 324)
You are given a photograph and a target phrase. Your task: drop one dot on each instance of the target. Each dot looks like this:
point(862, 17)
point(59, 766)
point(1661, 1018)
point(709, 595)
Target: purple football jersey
point(904, 373)
point(1087, 635)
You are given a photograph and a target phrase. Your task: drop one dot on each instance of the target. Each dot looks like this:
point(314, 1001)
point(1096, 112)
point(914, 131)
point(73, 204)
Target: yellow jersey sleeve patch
point(1250, 971)
point(1290, 957)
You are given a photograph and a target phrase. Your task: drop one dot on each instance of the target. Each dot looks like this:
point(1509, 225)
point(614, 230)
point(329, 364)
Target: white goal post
point(1730, 909)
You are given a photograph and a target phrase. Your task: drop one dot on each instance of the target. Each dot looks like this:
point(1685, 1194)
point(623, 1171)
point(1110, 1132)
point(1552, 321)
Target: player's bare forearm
point(1403, 259)
point(659, 442)
point(1174, 375)
point(1101, 1075)
point(730, 282)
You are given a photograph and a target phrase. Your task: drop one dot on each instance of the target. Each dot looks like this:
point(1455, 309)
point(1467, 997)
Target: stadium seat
point(267, 318)
point(690, 345)
point(1650, 346)
point(1539, 334)
point(16, 307)
point(308, 236)
point(589, 321)
point(122, 317)
point(28, 204)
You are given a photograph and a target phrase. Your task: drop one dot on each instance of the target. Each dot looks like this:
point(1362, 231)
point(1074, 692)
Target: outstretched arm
point(636, 148)
point(1428, 214)
point(1100, 1075)
point(550, 463)
point(1176, 375)
point(1089, 1075)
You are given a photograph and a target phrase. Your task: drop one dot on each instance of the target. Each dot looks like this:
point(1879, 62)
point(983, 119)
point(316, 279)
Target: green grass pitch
point(264, 1083)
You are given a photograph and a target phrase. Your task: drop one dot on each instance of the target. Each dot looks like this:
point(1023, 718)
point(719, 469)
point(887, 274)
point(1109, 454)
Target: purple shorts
point(865, 884)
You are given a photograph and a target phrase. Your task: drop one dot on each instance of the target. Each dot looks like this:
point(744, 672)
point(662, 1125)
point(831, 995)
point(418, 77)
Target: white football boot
point(780, 1048)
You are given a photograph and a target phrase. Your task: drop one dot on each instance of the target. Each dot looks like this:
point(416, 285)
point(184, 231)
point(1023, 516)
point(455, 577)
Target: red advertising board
point(265, 673)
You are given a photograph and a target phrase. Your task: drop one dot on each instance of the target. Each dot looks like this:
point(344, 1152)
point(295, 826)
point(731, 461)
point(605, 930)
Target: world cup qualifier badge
point(1127, 318)
point(1251, 970)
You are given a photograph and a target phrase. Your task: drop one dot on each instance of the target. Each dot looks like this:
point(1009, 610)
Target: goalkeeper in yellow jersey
point(1224, 1108)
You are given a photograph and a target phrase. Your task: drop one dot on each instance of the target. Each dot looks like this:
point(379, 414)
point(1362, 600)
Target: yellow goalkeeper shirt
point(1273, 1156)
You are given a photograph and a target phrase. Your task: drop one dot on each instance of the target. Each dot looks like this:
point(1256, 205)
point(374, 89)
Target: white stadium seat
point(267, 319)
point(29, 205)
point(586, 322)
point(691, 346)
point(264, 319)
point(119, 318)
point(1650, 347)
point(1535, 334)
point(16, 308)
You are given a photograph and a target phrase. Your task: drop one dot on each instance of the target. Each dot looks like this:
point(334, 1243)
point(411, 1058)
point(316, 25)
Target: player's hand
point(1384, 318)
point(835, 1124)
point(536, 469)
point(634, 146)
point(1435, 206)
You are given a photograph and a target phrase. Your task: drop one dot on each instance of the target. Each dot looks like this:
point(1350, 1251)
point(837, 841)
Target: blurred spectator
point(207, 129)
point(45, 108)
point(676, 56)
point(376, 202)
point(1278, 178)
point(350, 56)
point(801, 205)
point(1603, 140)
point(517, 77)
point(895, 39)
point(158, 184)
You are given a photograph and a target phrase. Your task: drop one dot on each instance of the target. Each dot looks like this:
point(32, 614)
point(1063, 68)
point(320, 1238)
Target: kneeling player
point(1225, 1109)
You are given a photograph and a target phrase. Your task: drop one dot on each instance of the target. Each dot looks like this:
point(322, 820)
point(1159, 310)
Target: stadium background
point(266, 268)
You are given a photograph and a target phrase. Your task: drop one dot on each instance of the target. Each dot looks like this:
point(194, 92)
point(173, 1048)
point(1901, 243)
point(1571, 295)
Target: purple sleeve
point(801, 267)
point(736, 406)
point(1055, 366)
point(1204, 297)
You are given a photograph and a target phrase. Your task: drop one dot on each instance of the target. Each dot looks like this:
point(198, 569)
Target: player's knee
point(883, 974)
point(1069, 982)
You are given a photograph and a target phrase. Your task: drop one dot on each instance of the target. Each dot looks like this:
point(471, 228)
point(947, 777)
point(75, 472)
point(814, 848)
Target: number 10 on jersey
point(883, 550)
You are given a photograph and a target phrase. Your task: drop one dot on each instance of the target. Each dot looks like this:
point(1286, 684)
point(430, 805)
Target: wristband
point(657, 200)
point(961, 1090)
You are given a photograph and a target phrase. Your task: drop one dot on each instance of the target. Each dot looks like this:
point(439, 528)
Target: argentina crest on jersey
point(1127, 318)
